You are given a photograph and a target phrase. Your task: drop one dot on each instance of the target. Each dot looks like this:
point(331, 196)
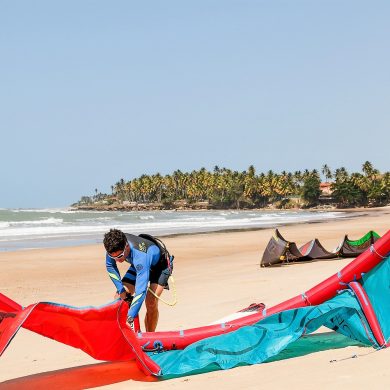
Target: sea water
point(40, 228)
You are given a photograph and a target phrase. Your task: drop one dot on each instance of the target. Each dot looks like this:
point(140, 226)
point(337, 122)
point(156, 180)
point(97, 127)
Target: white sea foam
point(57, 210)
point(53, 211)
point(46, 221)
point(92, 225)
point(96, 219)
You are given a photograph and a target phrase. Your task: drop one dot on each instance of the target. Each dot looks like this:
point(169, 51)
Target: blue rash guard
point(141, 259)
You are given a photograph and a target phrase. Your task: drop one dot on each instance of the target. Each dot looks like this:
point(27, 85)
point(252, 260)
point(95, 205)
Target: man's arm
point(114, 274)
point(142, 268)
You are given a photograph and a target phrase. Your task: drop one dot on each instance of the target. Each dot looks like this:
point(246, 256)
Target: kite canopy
point(101, 332)
point(279, 251)
point(353, 248)
point(267, 338)
point(314, 250)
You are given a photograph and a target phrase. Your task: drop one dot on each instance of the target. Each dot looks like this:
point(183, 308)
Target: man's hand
point(123, 295)
point(128, 298)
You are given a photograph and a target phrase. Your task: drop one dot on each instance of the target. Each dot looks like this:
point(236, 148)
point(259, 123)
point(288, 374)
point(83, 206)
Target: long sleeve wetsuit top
point(143, 255)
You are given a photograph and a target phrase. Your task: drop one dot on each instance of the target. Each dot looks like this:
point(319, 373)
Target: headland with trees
point(224, 188)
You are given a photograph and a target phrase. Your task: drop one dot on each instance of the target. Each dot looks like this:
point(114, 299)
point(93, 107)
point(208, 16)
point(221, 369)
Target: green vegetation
point(311, 189)
point(223, 188)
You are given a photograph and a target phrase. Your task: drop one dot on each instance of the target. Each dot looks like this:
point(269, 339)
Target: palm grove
point(224, 188)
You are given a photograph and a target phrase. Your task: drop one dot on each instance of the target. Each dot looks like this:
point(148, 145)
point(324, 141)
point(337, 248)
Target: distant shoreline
point(146, 208)
point(201, 207)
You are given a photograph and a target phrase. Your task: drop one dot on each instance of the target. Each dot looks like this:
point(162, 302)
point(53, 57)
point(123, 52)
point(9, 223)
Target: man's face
point(120, 255)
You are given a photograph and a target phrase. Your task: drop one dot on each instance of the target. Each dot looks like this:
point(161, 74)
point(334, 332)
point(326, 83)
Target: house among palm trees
point(326, 197)
point(325, 188)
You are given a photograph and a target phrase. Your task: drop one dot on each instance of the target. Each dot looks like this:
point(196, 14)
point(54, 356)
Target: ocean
point(43, 228)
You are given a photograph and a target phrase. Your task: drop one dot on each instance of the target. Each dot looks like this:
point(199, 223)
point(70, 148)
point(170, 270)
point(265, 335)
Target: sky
point(95, 91)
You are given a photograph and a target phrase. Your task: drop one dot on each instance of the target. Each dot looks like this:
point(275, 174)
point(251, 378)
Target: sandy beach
point(215, 274)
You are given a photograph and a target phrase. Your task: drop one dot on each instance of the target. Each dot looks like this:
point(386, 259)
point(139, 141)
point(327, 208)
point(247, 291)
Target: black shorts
point(159, 274)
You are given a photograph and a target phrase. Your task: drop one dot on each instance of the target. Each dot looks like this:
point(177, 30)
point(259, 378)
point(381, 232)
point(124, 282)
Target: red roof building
point(325, 188)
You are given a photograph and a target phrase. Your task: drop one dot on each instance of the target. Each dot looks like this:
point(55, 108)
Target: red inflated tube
point(137, 326)
point(368, 311)
point(324, 290)
point(363, 263)
point(8, 305)
point(293, 303)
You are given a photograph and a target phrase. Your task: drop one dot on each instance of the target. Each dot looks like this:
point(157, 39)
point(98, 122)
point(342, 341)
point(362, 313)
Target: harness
point(165, 256)
point(143, 242)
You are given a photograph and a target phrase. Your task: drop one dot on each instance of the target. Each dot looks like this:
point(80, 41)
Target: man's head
point(116, 245)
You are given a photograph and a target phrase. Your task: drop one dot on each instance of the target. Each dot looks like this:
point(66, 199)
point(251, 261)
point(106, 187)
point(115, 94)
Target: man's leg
point(151, 303)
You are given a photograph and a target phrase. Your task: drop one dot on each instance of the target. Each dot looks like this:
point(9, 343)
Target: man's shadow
point(82, 377)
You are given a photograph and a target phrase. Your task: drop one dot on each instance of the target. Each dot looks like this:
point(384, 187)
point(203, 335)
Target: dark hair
point(114, 240)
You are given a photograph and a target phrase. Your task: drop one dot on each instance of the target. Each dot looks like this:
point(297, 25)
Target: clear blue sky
point(93, 91)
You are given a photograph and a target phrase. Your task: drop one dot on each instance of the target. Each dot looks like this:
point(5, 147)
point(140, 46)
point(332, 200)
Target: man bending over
point(147, 265)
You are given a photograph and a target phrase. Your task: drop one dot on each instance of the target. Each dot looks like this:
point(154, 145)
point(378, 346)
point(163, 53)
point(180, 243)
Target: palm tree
point(251, 171)
point(305, 174)
point(370, 172)
point(385, 184)
point(341, 174)
point(326, 172)
point(367, 169)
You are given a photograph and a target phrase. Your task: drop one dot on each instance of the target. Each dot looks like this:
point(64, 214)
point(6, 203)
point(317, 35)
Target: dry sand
point(216, 274)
